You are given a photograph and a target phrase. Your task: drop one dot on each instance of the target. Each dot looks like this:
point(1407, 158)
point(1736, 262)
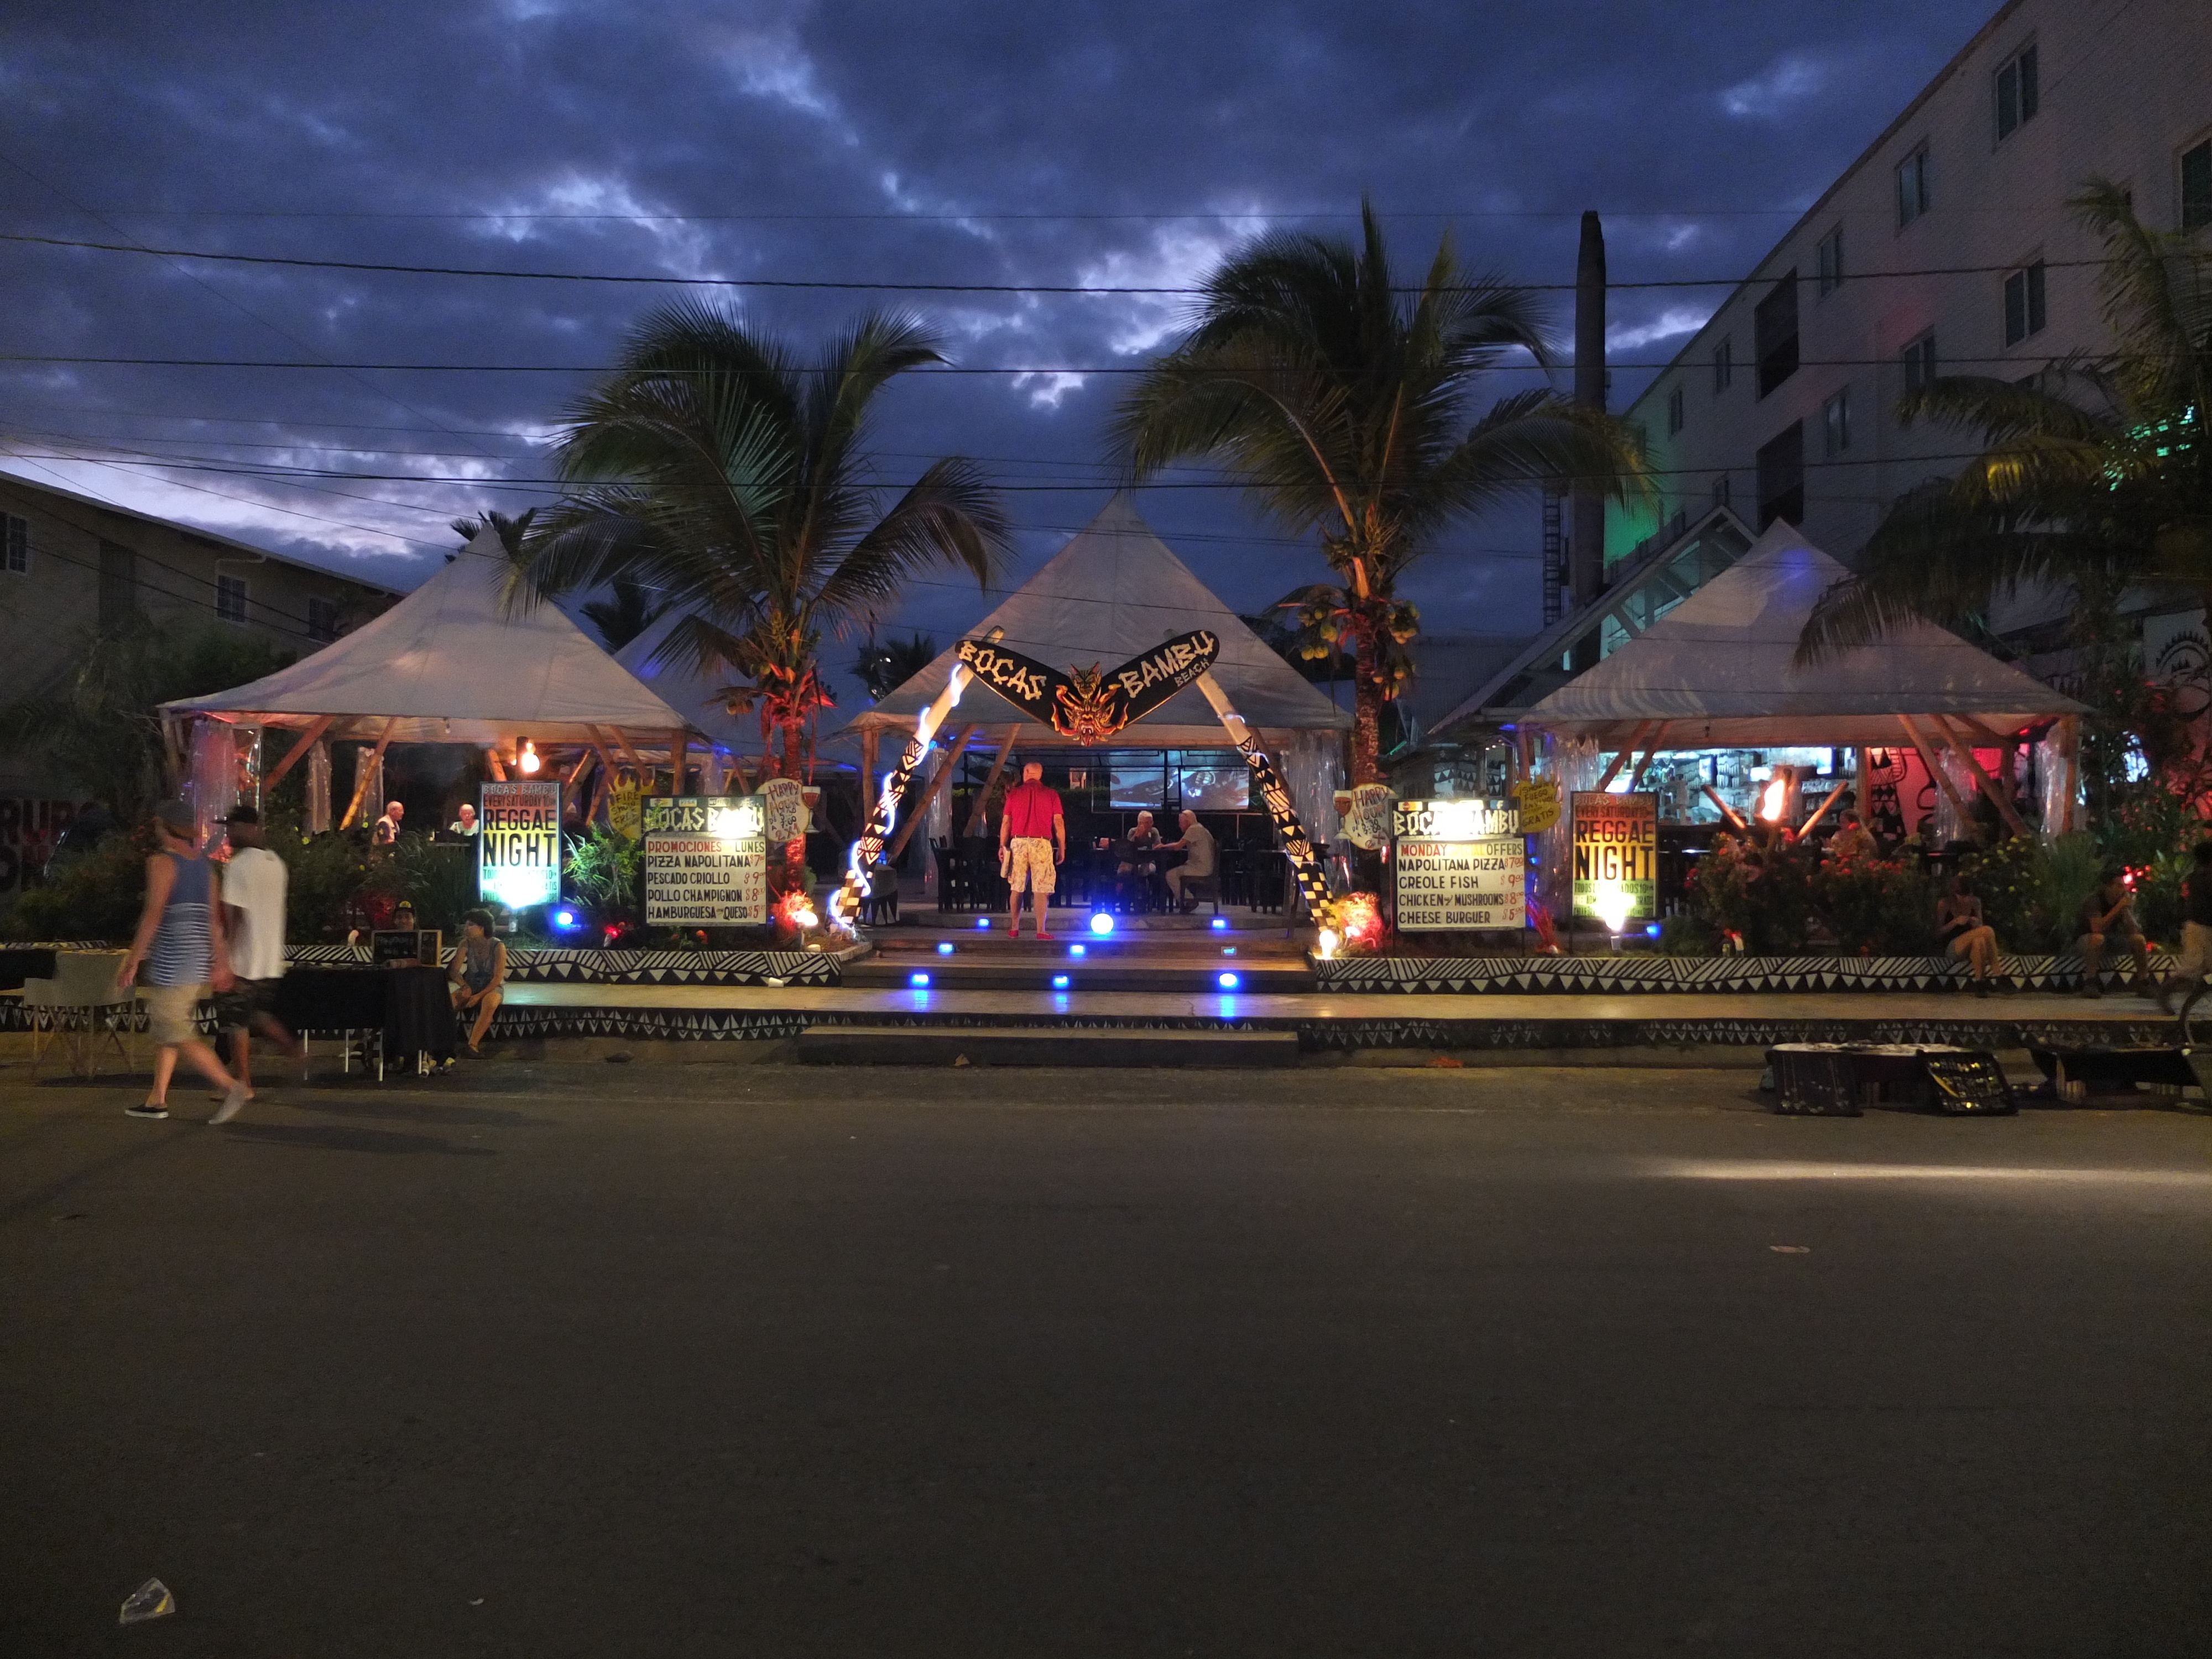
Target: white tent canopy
point(450, 664)
point(1113, 592)
point(693, 694)
point(1718, 672)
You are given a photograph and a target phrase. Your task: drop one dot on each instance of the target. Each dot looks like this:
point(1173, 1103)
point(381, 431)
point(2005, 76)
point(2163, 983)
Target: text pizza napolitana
point(1084, 704)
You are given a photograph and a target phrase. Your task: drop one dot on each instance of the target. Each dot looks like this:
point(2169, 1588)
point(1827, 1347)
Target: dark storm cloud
point(984, 143)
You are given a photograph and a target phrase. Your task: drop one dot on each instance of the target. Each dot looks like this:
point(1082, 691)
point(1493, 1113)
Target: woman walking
point(180, 944)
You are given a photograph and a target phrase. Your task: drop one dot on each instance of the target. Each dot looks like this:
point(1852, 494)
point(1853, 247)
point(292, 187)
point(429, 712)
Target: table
point(408, 1008)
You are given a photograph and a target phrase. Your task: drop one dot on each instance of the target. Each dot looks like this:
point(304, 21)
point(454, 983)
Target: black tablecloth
point(410, 1006)
point(16, 966)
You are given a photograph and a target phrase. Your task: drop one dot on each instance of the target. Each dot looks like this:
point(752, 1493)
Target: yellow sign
point(1616, 858)
point(1540, 804)
point(626, 808)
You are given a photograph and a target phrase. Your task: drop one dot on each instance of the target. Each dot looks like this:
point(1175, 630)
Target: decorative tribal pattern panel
point(526, 966)
point(1535, 976)
point(1965, 1032)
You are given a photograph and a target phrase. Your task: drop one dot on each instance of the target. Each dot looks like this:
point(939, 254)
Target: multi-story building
point(1947, 247)
point(71, 568)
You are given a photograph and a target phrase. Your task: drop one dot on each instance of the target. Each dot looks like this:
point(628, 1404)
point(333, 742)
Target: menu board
point(1616, 853)
point(706, 861)
point(1459, 864)
point(518, 842)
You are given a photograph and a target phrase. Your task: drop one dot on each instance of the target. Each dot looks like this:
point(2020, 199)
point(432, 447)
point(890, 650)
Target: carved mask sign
point(1087, 704)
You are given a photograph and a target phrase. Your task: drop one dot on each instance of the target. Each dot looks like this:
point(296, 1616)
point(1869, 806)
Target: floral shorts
point(1029, 864)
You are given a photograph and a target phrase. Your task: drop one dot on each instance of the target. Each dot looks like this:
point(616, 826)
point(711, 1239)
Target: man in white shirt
point(253, 884)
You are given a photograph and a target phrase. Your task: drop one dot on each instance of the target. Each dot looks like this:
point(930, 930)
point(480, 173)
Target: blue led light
point(564, 917)
point(1227, 981)
point(1059, 981)
point(944, 947)
point(1653, 930)
point(982, 922)
point(1220, 924)
point(1075, 950)
point(918, 980)
point(1228, 950)
point(1102, 924)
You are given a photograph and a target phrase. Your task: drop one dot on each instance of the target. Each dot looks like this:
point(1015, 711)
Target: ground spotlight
point(1101, 923)
point(1220, 924)
point(1059, 981)
point(1077, 949)
point(564, 918)
point(944, 947)
point(918, 980)
point(1227, 981)
point(983, 923)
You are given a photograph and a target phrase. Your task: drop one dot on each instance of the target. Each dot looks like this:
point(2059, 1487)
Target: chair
point(1202, 888)
point(80, 1005)
point(954, 890)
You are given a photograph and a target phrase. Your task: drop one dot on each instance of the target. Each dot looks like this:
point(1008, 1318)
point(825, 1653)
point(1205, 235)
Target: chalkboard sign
point(404, 946)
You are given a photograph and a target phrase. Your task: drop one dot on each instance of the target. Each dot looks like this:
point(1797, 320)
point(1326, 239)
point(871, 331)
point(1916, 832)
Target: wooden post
point(1942, 778)
point(1651, 748)
point(2071, 726)
point(1727, 811)
point(364, 768)
point(498, 766)
point(1621, 759)
point(1999, 798)
point(298, 750)
point(976, 820)
point(1821, 812)
point(937, 786)
point(870, 740)
point(679, 758)
point(577, 770)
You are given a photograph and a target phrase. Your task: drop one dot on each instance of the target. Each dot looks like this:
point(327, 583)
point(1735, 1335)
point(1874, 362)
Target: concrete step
point(1042, 1045)
point(1088, 974)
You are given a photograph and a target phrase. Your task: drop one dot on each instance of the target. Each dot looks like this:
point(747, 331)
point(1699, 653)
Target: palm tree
point(882, 669)
point(1347, 406)
point(717, 469)
point(626, 612)
point(2094, 476)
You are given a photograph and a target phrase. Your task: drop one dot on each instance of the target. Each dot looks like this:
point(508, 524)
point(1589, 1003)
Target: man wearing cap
point(180, 944)
point(253, 884)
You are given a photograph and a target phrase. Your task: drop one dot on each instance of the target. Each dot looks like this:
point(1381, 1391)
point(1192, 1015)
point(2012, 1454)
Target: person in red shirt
point(1032, 841)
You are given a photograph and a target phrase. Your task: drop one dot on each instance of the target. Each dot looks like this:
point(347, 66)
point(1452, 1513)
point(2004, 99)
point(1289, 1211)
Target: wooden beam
point(498, 766)
point(292, 756)
point(1821, 811)
point(983, 795)
point(1727, 811)
point(577, 770)
point(1943, 779)
point(679, 758)
point(1622, 759)
point(1651, 749)
point(1997, 797)
point(621, 742)
point(937, 786)
point(364, 768)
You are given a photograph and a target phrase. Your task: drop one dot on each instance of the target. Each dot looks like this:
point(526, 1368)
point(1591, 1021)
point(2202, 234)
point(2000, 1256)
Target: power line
point(955, 216)
point(301, 261)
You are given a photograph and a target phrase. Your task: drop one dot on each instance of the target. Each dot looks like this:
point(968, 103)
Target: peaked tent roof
point(450, 665)
point(1115, 590)
point(691, 693)
point(1718, 670)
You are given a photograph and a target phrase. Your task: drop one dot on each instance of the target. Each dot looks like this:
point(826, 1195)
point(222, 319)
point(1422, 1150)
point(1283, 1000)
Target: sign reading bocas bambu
point(706, 861)
point(1616, 857)
point(1088, 704)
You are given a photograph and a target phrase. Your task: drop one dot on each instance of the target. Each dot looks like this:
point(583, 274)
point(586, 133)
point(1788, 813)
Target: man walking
point(253, 884)
point(180, 943)
point(1197, 847)
point(1032, 841)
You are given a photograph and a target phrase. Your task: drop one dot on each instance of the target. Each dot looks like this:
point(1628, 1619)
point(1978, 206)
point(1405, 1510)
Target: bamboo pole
point(1636, 777)
point(984, 796)
point(293, 755)
point(498, 766)
point(1621, 759)
point(364, 768)
point(1942, 778)
point(679, 758)
point(1821, 811)
point(1727, 811)
point(872, 738)
point(937, 786)
point(1997, 797)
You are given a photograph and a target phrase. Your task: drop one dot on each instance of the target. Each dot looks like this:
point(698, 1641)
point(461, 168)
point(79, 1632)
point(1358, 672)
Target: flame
point(1771, 798)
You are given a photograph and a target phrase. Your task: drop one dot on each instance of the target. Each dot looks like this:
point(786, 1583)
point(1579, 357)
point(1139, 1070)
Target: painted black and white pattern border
point(528, 966)
point(1584, 976)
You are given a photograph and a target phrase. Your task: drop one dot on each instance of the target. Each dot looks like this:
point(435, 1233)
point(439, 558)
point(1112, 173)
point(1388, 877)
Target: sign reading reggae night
point(1084, 704)
point(706, 861)
point(518, 842)
point(1616, 845)
point(1459, 864)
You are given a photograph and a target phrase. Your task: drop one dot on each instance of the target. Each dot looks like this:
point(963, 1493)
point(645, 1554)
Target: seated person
point(1961, 931)
point(1132, 869)
point(1853, 840)
point(478, 972)
point(2108, 922)
point(465, 824)
point(387, 827)
point(1197, 847)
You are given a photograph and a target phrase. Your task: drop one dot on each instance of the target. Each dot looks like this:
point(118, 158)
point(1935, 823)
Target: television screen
point(1223, 787)
point(1138, 782)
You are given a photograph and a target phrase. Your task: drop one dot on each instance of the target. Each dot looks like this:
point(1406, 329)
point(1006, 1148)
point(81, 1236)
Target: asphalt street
point(668, 1360)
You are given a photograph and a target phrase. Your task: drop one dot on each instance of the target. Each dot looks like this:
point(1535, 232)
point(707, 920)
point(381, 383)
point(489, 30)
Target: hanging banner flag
point(518, 842)
point(1616, 857)
point(706, 861)
point(1088, 704)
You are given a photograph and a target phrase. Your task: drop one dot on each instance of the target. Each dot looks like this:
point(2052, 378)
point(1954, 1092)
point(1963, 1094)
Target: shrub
point(93, 895)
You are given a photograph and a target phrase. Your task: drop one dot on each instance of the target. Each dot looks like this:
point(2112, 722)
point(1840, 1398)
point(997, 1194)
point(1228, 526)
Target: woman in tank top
point(180, 946)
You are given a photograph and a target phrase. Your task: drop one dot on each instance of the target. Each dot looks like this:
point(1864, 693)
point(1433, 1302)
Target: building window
point(2023, 303)
point(1782, 476)
point(1836, 424)
point(1831, 261)
point(14, 545)
point(230, 597)
point(1673, 411)
point(2016, 92)
point(1920, 362)
point(2196, 186)
point(1774, 330)
point(322, 619)
point(1723, 366)
point(1912, 198)
point(119, 587)
point(1720, 491)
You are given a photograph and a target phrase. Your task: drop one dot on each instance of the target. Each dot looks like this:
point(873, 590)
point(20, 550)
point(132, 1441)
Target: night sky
point(990, 143)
